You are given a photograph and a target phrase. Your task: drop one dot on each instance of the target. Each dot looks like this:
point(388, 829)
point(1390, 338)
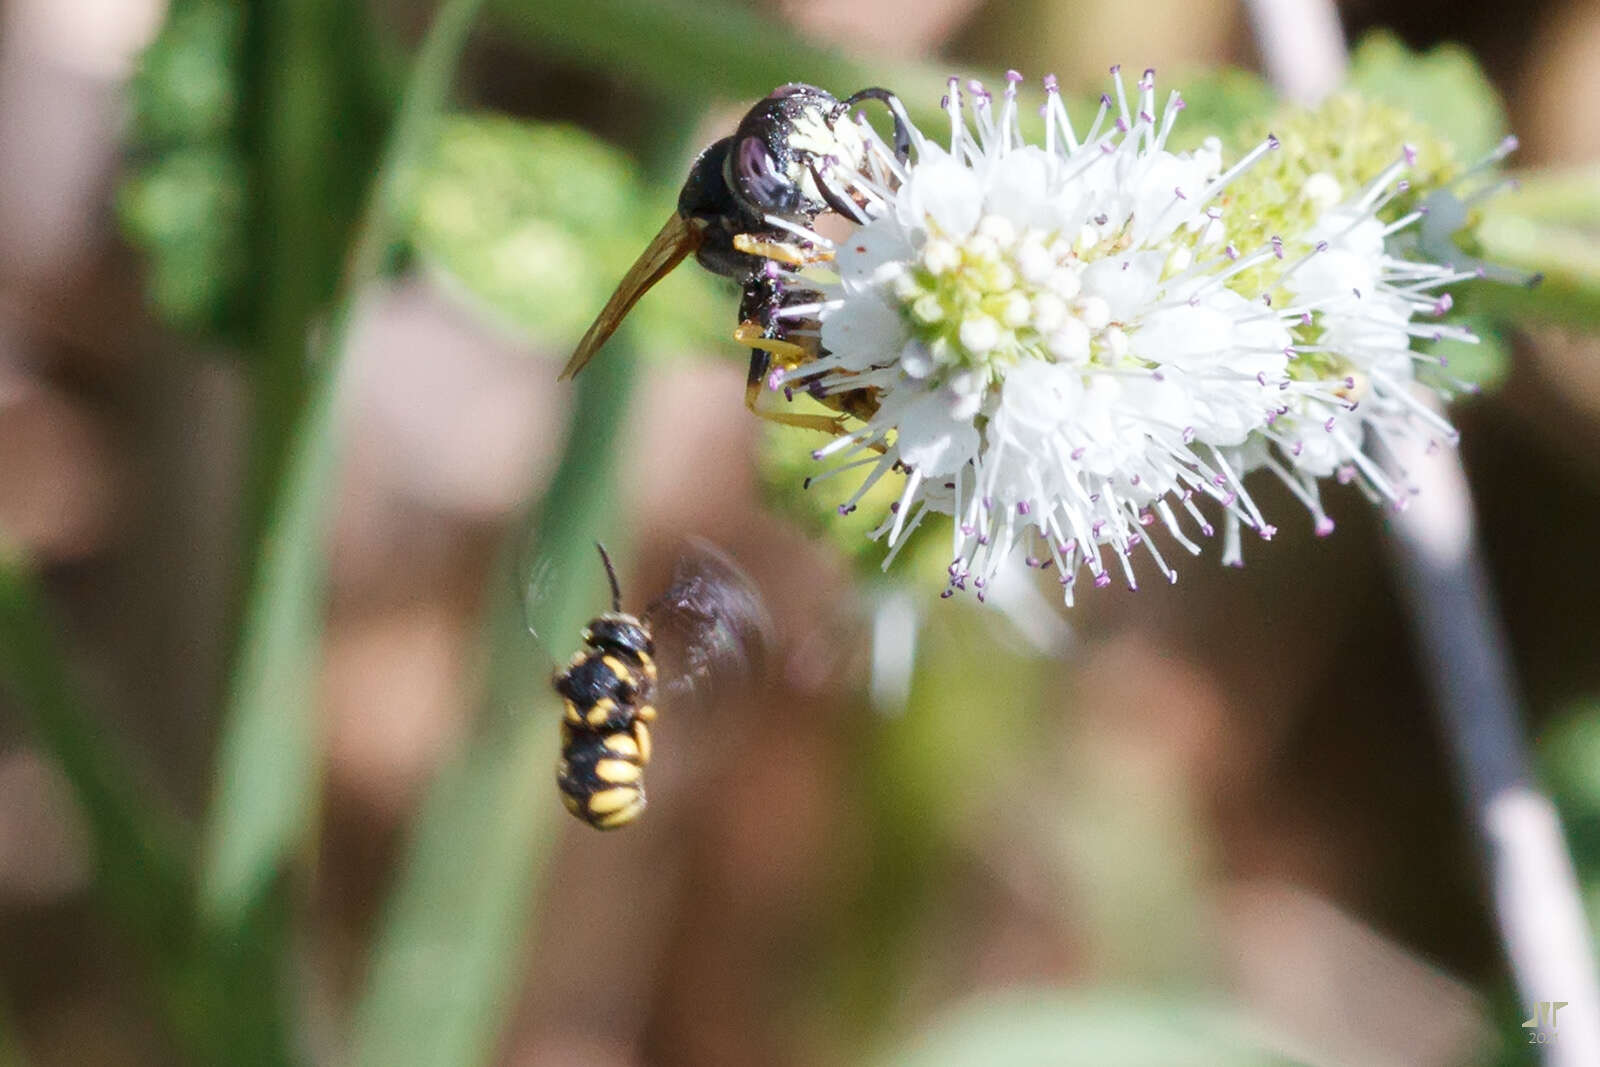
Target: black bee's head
point(779, 146)
point(769, 167)
point(707, 207)
point(616, 632)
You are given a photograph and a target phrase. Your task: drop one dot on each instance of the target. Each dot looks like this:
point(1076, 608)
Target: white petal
point(868, 249)
point(863, 332)
point(948, 193)
point(1127, 282)
point(933, 439)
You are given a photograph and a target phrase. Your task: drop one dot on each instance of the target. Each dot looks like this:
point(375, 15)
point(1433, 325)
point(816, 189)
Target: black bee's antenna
point(611, 575)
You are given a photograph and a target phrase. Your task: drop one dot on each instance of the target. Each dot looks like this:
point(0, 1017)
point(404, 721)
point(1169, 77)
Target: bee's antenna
point(611, 575)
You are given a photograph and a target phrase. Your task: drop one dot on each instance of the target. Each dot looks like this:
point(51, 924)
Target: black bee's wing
point(711, 626)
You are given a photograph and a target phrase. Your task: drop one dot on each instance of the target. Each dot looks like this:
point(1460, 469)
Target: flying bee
point(711, 619)
point(746, 212)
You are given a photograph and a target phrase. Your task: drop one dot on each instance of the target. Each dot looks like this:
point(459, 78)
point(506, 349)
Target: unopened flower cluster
point(1077, 341)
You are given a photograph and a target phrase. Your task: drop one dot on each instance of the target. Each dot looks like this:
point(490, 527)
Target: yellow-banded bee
point(746, 213)
point(712, 619)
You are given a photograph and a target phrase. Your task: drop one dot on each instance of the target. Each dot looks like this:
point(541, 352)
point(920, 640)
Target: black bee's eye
point(761, 181)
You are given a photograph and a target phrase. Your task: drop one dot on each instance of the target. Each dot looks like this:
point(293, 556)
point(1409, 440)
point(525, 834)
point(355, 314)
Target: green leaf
point(537, 223)
point(1570, 751)
point(444, 969)
point(700, 49)
point(267, 766)
point(1217, 102)
point(1549, 225)
point(186, 209)
point(1484, 365)
point(1445, 88)
point(267, 772)
point(185, 89)
point(185, 199)
point(1059, 1028)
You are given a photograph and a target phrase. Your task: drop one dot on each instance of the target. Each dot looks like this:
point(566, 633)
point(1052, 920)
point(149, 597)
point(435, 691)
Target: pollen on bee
point(617, 771)
point(622, 745)
point(619, 669)
point(620, 818)
point(647, 712)
point(610, 801)
point(642, 733)
point(572, 714)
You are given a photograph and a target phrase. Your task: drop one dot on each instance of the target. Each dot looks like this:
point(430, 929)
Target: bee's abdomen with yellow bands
point(601, 776)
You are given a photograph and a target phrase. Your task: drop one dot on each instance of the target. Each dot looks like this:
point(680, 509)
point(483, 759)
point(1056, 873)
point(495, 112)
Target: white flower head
point(1067, 349)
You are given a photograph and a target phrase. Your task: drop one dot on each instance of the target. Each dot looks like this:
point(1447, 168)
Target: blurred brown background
point(1258, 794)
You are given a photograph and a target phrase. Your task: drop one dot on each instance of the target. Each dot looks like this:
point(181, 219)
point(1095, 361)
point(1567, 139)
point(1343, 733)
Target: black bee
point(609, 689)
point(783, 165)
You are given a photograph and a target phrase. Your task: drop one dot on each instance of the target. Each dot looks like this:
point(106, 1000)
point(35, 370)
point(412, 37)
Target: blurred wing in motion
point(535, 584)
point(677, 239)
point(711, 626)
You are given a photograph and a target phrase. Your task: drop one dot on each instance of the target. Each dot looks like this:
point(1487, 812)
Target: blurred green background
point(284, 291)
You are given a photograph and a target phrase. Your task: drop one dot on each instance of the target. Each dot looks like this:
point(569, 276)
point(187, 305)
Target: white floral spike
point(1068, 347)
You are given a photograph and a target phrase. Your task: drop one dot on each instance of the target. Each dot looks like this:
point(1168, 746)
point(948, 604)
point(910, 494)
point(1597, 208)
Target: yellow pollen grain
point(609, 801)
point(619, 669)
point(647, 712)
point(622, 745)
point(617, 771)
point(621, 818)
point(642, 732)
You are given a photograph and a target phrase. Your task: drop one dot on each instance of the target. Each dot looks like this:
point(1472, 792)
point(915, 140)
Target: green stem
point(311, 137)
point(267, 774)
point(444, 968)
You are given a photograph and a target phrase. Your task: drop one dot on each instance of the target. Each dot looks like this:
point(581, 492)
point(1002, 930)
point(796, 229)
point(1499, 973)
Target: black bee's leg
point(765, 293)
point(902, 132)
point(760, 364)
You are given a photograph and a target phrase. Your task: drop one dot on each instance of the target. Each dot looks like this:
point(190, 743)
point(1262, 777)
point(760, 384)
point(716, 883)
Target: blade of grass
point(267, 769)
point(138, 849)
point(445, 965)
point(311, 131)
